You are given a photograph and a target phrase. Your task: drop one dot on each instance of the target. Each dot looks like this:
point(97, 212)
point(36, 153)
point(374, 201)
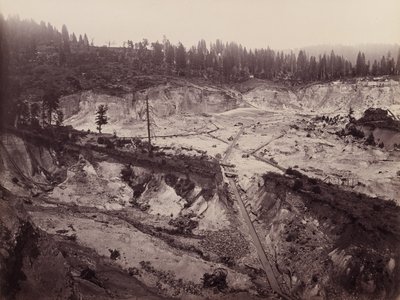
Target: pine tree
point(59, 117)
point(50, 104)
point(101, 116)
point(74, 41)
point(313, 68)
point(322, 67)
point(65, 40)
point(180, 57)
point(85, 41)
point(398, 63)
point(302, 65)
point(34, 109)
point(383, 66)
point(169, 54)
point(374, 70)
point(360, 64)
point(365, 68)
point(202, 53)
point(390, 64)
point(80, 41)
point(158, 55)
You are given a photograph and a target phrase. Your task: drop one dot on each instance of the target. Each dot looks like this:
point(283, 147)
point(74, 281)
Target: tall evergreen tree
point(85, 40)
point(101, 116)
point(390, 64)
point(398, 63)
point(313, 69)
point(180, 57)
point(65, 40)
point(169, 53)
point(74, 41)
point(158, 55)
point(202, 53)
point(50, 104)
point(360, 64)
point(80, 41)
point(375, 68)
point(302, 65)
point(383, 66)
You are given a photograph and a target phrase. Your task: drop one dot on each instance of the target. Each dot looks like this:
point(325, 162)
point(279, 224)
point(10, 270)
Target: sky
point(280, 24)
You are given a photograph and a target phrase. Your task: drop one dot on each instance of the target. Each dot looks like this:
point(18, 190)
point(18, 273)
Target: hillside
point(39, 61)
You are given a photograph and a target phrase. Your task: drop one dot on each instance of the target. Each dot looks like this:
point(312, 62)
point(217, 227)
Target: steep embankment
point(165, 100)
point(155, 228)
point(37, 265)
point(26, 168)
point(334, 97)
point(329, 243)
point(182, 97)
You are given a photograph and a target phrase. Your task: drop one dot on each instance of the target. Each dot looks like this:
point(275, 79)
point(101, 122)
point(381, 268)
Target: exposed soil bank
point(165, 100)
point(328, 242)
point(111, 225)
point(26, 167)
point(36, 265)
point(332, 97)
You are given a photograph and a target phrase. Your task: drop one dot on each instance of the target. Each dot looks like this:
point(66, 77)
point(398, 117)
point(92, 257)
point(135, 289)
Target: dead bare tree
point(150, 123)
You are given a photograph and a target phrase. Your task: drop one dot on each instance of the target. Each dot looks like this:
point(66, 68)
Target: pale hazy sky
point(280, 24)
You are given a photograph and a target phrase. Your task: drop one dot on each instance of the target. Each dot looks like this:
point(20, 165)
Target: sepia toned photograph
point(199, 149)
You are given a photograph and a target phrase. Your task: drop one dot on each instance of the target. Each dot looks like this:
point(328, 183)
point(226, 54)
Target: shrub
point(290, 171)
point(126, 173)
point(370, 140)
point(227, 260)
point(216, 279)
point(316, 189)
point(354, 131)
point(184, 224)
point(171, 179)
point(109, 144)
point(114, 254)
point(294, 126)
point(298, 185)
point(71, 237)
point(88, 274)
point(133, 271)
point(312, 181)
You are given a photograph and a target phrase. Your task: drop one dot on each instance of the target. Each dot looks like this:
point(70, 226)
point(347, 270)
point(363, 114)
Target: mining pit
point(264, 198)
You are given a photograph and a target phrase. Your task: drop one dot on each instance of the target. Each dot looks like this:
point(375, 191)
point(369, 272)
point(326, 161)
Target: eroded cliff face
point(111, 230)
point(164, 100)
point(173, 99)
point(38, 265)
point(26, 168)
point(329, 243)
point(334, 97)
